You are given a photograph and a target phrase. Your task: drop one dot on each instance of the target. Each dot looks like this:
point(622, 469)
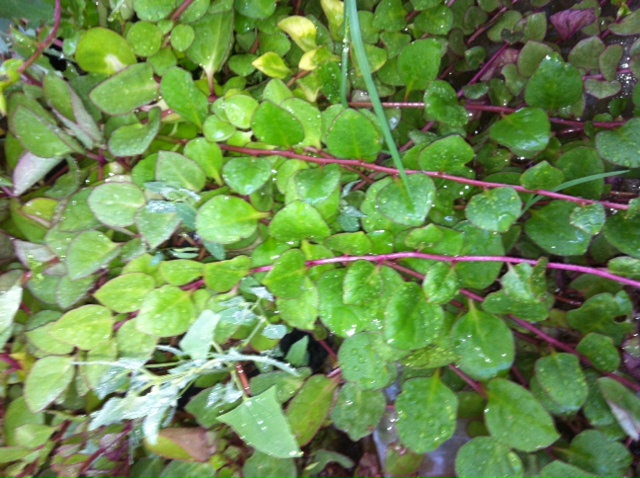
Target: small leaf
point(257, 9)
point(272, 65)
point(624, 404)
point(353, 136)
point(494, 209)
point(166, 312)
point(287, 277)
point(46, 381)
point(308, 410)
point(286, 225)
point(448, 154)
point(358, 412)
point(595, 452)
point(408, 207)
point(275, 125)
point(588, 219)
point(183, 97)
point(227, 219)
point(542, 176)
point(510, 410)
point(524, 132)
point(317, 185)
point(134, 139)
point(116, 204)
point(88, 252)
point(103, 51)
point(144, 38)
point(178, 170)
point(301, 30)
point(484, 345)
point(156, 227)
point(197, 341)
point(549, 228)
point(137, 80)
point(630, 25)
point(362, 284)
point(410, 322)
point(561, 378)
point(261, 464)
point(419, 63)
point(569, 22)
point(441, 104)
point(212, 41)
point(302, 311)
point(563, 470)
point(224, 275)
point(246, 175)
point(39, 136)
point(620, 146)
point(260, 423)
point(427, 411)
point(31, 169)
point(85, 327)
point(624, 234)
point(486, 456)
point(362, 365)
point(180, 271)
point(440, 284)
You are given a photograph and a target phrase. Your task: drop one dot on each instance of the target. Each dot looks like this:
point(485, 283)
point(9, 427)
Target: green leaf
point(103, 51)
point(212, 42)
point(560, 469)
point(134, 139)
point(144, 38)
point(156, 227)
point(116, 204)
point(308, 410)
point(357, 412)
point(226, 219)
point(362, 284)
point(260, 423)
point(178, 170)
point(478, 242)
point(624, 404)
point(183, 97)
point(494, 209)
point(47, 379)
point(624, 234)
point(286, 225)
point(261, 464)
point(275, 125)
point(137, 80)
point(484, 345)
point(621, 146)
point(88, 252)
point(584, 173)
point(562, 380)
point(317, 185)
point(598, 314)
point(153, 10)
point(410, 322)
point(246, 175)
point(224, 275)
point(361, 363)
point(511, 409)
point(272, 65)
point(550, 229)
point(407, 207)
point(180, 271)
point(589, 218)
point(342, 319)
point(197, 341)
point(427, 411)
point(440, 284)
point(257, 9)
point(419, 63)
point(206, 155)
point(446, 155)
point(301, 30)
point(10, 298)
point(182, 37)
point(593, 451)
point(486, 456)
point(630, 25)
point(441, 104)
point(166, 312)
point(302, 311)
point(524, 132)
point(40, 137)
point(85, 327)
point(353, 136)
point(555, 84)
point(287, 277)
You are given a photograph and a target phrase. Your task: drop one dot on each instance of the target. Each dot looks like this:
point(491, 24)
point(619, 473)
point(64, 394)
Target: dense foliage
point(239, 235)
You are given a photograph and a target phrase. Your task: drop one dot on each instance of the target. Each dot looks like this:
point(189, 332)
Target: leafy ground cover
point(231, 228)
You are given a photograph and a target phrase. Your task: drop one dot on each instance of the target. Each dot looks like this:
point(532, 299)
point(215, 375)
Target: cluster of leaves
point(186, 184)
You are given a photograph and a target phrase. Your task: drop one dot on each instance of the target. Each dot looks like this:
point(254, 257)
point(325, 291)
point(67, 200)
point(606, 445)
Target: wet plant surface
point(316, 238)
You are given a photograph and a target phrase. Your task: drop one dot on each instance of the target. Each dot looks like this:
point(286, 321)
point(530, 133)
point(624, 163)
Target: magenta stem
point(178, 13)
point(433, 174)
point(472, 383)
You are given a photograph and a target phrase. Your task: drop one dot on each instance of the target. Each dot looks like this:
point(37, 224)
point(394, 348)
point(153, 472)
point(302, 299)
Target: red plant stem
point(472, 383)
point(436, 257)
point(178, 13)
point(329, 350)
point(57, 18)
point(433, 174)
point(243, 379)
point(14, 364)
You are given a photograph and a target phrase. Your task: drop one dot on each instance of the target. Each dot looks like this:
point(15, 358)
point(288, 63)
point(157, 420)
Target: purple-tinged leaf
point(570, 22)
point(31, 169)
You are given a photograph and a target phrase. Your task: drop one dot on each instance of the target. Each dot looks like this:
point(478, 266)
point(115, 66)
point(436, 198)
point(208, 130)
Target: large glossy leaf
point(309, 409)
point(555, 84)
point(287, 277)
point(88, 252)
point(550, 228)
point(137, 80)
point(46, 381)
point(486, 456)
point(494, 209)
point(212, 41)
point(483, 343)
point(407, 206)
point(510, 410)
point(116, 204)
point(226, 219)
point(419, 63)
point(183, 97)
point(166, 312)
point(426, 411)
point(286, 225)
point(85, 327)
point(524, 132)
point(361, 363)
point(593, 451)
point(260, 422)
point(353, 136)
point(41, 137)
point(561, 378)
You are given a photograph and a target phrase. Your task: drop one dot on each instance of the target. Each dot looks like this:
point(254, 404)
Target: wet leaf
point(49, 377)
point(183, 97)
point(494, 209)
point(357, 411)
point(226, 219)
point(624, 404)
point(85, 327)
point(166, 312)
point(353, 136)
point(524, 132)
point(103, 51)
point(362, 365)
point(137, 80)
point(88, 252)
point(620, 146)
point(408, 207)
point(309, 409)
point(245, 175)
point(593, 451)
point(419, 63)
point(116, 204)
point(275, 125)
point(561, 378)
point(486, 456)
point(549, 228)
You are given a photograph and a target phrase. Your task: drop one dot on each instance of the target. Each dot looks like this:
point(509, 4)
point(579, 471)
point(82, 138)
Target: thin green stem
point(344, 68)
